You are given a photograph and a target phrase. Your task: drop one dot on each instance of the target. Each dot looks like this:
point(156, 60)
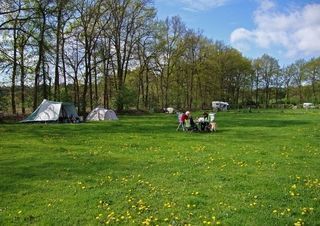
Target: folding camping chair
point(212, 127)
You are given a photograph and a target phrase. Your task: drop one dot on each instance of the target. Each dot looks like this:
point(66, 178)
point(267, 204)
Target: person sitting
point(205, 122)
point(193, 125)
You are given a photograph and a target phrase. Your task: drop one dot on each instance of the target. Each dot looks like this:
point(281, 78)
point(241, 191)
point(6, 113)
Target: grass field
point(259, 168)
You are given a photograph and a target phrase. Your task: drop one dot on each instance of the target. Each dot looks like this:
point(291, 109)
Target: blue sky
point(285, 29)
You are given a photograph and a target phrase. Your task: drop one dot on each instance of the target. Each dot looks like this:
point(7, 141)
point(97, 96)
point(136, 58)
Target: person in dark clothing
point(205, 122)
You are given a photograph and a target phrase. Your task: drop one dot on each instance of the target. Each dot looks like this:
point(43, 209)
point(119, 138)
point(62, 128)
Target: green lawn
point(260, 168)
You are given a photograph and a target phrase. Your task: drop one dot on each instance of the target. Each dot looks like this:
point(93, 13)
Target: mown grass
point(260, 168)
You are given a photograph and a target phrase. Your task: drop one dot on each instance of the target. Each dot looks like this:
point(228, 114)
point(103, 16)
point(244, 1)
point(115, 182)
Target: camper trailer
point(308, 105)
point(220, 106)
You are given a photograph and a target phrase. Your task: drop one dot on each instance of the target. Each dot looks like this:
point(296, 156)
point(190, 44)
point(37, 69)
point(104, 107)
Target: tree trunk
point(95, 81)
point(56, 94)
point(64, 66)
point(105, 90)
point(40, 60)
point(45, 92)
point(85, 86)
point(22, 77)
point(14, 69)
point(146, 99)
point(257, 89)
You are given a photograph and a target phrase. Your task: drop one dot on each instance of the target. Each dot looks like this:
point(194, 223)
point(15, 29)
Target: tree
point(11, 24)
point(128, 20)
point(298, 77)
point(170, 34)
point(41, 11)
point(312, 75)
point(63, 11)
point(269, 68)
point(89, 15)
point(288, 73)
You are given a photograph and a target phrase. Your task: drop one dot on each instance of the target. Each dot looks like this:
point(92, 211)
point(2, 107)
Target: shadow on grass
point(265, 123)
point(20, 175)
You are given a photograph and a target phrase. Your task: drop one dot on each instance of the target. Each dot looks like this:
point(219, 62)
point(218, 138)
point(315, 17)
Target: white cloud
point(297, 31)
point(202, 5)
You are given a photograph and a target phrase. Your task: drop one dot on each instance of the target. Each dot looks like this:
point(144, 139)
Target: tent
point(100, 113)
point(51, 111)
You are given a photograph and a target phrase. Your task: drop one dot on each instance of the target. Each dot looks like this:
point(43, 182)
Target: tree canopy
point(119, 55)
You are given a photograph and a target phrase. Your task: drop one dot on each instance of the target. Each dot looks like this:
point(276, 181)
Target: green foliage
point(259, 168)
point(4, 103)
point(126, 98)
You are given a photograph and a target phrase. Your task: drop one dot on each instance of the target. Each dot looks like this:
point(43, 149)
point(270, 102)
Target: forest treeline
point(118, 54)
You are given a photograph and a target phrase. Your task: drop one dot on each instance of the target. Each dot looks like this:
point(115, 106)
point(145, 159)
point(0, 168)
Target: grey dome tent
point(99, 114)
point(51, 111)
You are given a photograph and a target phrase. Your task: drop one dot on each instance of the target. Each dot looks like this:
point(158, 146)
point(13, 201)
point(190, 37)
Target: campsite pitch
point(259, 168)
